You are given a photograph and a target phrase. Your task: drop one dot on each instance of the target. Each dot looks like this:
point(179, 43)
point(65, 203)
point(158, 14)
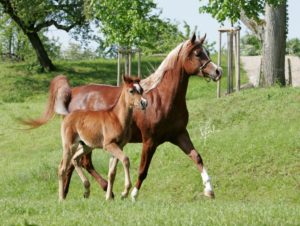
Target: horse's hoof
point(134, 194)
point(209, 194)
point(133, 199)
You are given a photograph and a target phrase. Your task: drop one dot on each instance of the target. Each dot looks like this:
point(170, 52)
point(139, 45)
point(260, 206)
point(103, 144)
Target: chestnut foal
point(82, 131)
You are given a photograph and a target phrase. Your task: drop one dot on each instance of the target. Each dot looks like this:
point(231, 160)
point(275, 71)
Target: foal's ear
point(202, 39)
point(193, 38)
point(127, 79)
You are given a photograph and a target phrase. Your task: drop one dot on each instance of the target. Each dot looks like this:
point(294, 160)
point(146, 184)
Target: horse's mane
point(168, 63)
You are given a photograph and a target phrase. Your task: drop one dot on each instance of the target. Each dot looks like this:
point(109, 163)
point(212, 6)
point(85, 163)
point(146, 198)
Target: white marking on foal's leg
point(208, 189)
point(111, 177)
point(134, 194)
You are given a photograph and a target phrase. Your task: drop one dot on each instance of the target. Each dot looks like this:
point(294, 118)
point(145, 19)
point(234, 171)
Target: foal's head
point(197, 60)
point(134, 92)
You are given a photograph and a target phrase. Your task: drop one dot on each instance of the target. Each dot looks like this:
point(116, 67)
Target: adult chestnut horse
point(165, 119)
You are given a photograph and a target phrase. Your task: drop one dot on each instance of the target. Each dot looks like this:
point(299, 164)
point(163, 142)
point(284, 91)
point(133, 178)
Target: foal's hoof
point(124, 195)
point(86, 194)
point(209, 194)
point(109, 198)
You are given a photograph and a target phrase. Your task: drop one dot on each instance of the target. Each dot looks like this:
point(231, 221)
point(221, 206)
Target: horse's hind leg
point(76, 162)
point(113, 161)
point(184, 142)
point(117, 153)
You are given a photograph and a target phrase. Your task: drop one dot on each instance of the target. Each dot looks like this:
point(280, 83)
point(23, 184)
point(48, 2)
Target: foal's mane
point(168, 63)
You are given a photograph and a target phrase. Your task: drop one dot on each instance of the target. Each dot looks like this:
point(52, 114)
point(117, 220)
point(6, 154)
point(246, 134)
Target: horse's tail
point(58, 101)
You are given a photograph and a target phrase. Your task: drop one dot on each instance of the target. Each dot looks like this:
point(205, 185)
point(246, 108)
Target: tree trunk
point(273, 61)
point(40, 51)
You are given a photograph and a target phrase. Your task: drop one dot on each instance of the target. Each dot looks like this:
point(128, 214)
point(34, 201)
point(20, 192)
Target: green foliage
point(135, 23)
point(126, 23)
point(75, 52)
point(36, 14)
point(231, 9)
point(252, 155)
point(250, 45)
point(15, 43)
point(293, 46)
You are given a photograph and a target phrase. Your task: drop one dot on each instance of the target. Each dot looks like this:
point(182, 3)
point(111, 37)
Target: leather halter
point(203, 67)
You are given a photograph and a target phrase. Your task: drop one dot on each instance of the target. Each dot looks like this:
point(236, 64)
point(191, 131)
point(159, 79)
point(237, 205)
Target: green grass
point(251, 150)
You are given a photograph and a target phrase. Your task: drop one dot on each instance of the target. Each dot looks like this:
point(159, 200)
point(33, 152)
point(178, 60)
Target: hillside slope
point(250, 143)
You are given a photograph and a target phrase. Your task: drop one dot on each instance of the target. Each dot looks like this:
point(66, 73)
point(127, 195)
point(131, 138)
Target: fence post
point(129, 62)
point(119, 68)
point(290, 72)
point(229, 62)
point(126, 62)
point(237, 60)
point(219, 64)
point(139, 63)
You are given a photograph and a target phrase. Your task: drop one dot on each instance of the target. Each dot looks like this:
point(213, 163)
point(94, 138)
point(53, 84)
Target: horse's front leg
point(184, 142)
point(147, 154)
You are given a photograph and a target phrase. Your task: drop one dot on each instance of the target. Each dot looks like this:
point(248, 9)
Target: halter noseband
point(203, 67)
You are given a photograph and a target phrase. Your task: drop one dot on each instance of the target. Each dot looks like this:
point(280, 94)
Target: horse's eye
point(131, 91)
point(198, 53)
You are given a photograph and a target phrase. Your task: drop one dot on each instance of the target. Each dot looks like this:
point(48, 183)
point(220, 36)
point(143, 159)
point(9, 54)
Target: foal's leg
point(184, 142)
point(147, 154)
point(115, 150)
point(86, 162)
point(62, 170)
point(113, 161)
point(76, 162)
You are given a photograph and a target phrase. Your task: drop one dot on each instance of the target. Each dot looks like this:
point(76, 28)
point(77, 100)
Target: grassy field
point(250, 142)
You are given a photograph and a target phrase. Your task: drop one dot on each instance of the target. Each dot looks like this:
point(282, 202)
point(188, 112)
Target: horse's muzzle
point(144, 103)
point(217, 75)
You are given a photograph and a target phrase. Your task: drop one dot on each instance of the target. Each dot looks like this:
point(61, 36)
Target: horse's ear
point(193, 38)
point(202, 39)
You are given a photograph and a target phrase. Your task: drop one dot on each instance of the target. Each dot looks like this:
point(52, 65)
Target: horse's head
point(134, 92)
point(197, 60)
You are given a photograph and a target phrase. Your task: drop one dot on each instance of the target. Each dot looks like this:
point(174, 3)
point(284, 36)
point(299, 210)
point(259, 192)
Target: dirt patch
point(251, 64)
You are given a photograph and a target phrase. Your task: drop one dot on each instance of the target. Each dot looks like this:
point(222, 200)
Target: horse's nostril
point(217, 72)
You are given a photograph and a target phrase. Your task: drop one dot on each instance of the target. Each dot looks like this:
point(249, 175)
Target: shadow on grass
point(23, 81)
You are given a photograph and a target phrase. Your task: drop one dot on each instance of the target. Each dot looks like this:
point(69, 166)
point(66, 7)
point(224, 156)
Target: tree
point(271, 30)
point(32, 16)
point(126, 23)
point(134, 23)
point(15, 45)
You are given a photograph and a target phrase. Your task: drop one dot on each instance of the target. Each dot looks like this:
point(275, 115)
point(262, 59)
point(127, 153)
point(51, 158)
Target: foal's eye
point(131, 91)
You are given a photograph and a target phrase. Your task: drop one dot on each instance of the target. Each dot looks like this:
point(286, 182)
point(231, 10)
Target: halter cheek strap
point(204, 65)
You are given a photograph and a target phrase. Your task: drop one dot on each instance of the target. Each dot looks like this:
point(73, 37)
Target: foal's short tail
point(58, 100)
